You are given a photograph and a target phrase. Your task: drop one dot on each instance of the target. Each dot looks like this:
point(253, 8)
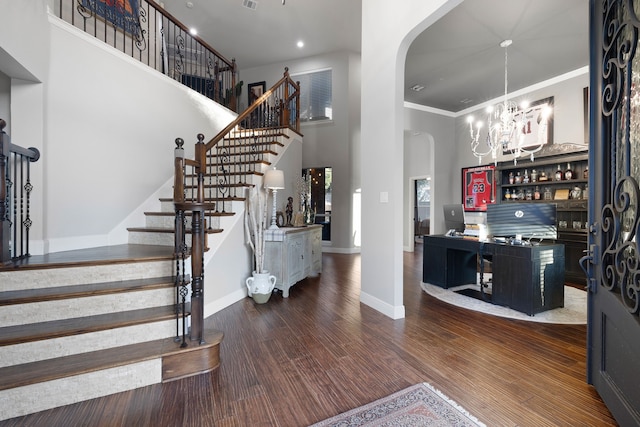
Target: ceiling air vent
point(251, 4)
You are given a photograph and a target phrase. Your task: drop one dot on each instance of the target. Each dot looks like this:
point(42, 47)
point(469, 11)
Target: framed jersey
point(478, 188)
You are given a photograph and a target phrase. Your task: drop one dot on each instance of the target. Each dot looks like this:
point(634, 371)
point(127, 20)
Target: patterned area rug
point(418, 405)
point(574, 311)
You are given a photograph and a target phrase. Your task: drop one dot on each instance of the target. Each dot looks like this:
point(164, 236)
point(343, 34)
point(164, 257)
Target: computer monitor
point(454, 217)
point(529, 220)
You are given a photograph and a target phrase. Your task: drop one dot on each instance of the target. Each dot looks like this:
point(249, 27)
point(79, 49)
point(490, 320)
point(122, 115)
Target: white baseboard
point(224, 302)
point(394, 312)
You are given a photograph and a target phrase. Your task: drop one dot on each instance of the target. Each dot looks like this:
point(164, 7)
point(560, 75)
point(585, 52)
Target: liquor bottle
point(508, 195)
point(518, 179)
point(568, 174)
point(559, 174)
point(547, 193)
point(534, 175)
point(585, 174)
point(536, 193)
point(510, 177)
point(525, 179)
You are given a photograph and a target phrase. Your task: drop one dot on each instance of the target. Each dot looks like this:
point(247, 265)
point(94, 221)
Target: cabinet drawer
point(573, 204)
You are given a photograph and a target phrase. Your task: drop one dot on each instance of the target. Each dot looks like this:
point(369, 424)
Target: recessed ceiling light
point(417, 88)
point(189, 4)
point(193, 32)
point(300, 43)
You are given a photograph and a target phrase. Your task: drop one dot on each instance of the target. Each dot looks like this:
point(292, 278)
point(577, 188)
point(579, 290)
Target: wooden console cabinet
point(293, 253)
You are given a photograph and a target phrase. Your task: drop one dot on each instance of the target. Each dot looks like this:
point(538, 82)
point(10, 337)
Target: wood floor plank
point(299, 360)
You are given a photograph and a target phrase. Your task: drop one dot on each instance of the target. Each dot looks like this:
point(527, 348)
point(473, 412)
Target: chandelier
point(507, 126)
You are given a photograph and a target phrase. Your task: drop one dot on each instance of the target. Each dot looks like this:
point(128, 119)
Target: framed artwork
point(478, 188)
point(121, 14)
point(534, 135)
point(255, 91)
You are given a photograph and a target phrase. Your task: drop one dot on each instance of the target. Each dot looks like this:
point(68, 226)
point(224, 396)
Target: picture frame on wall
point(256, 90)
point(122, 14)
point(532, 116)
point(478, 187)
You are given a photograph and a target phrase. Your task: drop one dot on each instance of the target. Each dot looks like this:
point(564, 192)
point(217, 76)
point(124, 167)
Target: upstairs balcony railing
point(219, 174)
point(15, 192)
point(143, 30)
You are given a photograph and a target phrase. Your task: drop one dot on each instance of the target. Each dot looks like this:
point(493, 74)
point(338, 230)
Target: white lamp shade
point(274, 179)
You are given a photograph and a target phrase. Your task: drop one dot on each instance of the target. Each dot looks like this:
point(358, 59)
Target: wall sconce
point(274, 181)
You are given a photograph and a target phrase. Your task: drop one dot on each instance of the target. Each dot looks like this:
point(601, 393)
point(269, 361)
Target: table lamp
point(274, 181)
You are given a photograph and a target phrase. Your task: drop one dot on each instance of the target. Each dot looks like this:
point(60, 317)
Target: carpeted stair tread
point(10, 335)
point(86, 290)
point(51, 369)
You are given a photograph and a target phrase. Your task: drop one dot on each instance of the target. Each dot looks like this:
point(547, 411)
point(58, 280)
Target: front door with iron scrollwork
point(613, 266)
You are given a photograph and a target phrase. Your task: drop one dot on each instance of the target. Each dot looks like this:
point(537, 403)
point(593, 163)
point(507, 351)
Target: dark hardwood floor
point(292, 362)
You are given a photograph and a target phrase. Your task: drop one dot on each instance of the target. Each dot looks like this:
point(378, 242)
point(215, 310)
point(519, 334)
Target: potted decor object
point(260, 285)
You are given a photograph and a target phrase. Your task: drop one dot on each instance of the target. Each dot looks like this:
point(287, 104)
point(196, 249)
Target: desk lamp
point(274, 181)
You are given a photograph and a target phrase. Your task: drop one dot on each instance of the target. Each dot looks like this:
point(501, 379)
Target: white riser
point(166, 206)
point(65, 391)
point(168, 222)
point(45, 311)
point(149, 238)
point(76, 344)
point(31, 279)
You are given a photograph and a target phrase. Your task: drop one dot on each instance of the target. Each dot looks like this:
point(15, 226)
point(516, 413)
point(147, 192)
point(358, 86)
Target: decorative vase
point(260, 286)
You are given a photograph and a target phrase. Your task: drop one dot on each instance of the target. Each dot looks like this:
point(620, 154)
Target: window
point(315, 95)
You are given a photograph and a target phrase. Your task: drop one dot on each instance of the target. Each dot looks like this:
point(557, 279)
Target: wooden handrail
point(257, 103)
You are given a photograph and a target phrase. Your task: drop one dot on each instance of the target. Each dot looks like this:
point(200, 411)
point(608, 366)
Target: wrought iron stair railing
point(219, 173)
point(143, 30)
point(15, 193)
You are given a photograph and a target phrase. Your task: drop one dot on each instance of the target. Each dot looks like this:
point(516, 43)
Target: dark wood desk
point(526, 278)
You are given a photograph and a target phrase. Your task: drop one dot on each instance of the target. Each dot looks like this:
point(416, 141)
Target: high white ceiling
point(458, 59)
point(268, 34)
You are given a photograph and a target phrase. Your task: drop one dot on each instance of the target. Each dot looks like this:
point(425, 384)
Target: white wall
point(110, 128)
point(329, 144)
point(388, 28)
point(438, 127)
point(24, 52)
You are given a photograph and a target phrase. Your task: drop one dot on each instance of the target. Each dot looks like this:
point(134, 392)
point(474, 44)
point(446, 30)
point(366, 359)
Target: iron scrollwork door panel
point(614, 323)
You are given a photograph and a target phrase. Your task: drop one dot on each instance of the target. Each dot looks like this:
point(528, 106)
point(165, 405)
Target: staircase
point(91, 327)
point(101, 321)
point(253, 152)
